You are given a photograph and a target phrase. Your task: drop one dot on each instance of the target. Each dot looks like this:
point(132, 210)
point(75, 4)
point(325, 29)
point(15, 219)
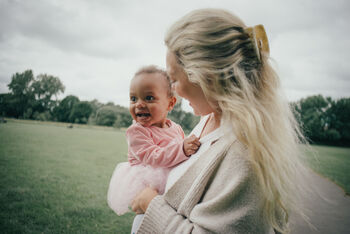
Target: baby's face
point(149, 99)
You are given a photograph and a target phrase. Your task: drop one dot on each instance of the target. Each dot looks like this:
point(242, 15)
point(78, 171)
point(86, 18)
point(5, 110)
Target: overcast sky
point(95, 46)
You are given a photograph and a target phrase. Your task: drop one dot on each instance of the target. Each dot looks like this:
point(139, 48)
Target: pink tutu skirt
point(127, 181)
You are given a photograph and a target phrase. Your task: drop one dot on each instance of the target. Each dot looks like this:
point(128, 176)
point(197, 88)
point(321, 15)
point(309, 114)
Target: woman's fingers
point(141, 201)
point(135, 206)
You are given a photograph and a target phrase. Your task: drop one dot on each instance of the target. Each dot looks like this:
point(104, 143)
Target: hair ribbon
point(259, 38)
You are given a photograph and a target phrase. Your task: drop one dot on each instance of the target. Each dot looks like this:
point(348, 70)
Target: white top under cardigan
point(219, 193)
point(205, 141)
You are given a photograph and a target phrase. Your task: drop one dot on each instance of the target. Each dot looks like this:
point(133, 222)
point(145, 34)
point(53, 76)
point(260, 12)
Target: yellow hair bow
point(259, 38)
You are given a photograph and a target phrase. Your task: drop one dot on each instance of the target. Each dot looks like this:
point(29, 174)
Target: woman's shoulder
point(237, 173)
point(230, 144)
point(237, 153)
point(236, 163)
point(237, 150)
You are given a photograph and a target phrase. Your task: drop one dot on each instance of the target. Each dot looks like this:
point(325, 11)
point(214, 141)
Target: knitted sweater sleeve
point(230, 204)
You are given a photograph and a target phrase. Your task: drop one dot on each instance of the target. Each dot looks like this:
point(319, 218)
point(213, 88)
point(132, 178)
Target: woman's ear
point(172, 102)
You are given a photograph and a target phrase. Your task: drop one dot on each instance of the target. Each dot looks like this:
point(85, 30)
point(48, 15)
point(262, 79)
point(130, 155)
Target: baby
point(156, 144)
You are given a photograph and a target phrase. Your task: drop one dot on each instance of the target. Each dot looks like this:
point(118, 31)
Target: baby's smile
point(143, 114)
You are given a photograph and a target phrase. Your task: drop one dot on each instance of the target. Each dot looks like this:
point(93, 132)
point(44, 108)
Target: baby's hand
point(191, 145)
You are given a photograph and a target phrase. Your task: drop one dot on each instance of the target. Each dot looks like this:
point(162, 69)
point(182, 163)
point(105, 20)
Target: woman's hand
point(140, 203)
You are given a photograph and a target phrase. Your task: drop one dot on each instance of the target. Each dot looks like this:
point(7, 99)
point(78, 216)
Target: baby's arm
point(191, 145)
point(142, 149)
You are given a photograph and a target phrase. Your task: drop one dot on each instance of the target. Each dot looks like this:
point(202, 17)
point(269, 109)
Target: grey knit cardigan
point(219, 193)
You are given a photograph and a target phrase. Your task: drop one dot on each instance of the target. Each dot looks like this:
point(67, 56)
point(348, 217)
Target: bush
point(44, 116)
point(106, 116)
point(80, 112)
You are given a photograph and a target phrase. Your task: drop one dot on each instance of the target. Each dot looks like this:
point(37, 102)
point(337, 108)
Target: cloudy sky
point(95, 46)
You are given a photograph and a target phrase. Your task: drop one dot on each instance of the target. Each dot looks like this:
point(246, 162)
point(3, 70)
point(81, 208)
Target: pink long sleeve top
point(158, 147)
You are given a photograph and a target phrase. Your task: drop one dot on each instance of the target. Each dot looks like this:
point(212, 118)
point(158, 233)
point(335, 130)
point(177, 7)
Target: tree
point(176, 114)
point(44, 88)
point(80, 112)
point(314, 116)
point(110, 115)
point(124, 118)
point(185, 119)
point(96, 105)
point(189, 121)
point(106, 116)
point(63, 110)
point(339, 114)
point(22, 92)
point(7, 105)
point(30, 97)
point(324, 120)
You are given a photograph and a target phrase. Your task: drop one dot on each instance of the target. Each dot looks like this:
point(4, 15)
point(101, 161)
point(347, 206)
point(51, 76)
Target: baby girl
point(156, 144)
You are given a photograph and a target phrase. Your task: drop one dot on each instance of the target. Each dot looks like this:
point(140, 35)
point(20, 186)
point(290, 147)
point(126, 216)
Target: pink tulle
point(127, 181)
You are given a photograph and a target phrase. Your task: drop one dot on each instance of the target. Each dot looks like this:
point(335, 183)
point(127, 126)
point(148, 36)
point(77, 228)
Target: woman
point(244, 180)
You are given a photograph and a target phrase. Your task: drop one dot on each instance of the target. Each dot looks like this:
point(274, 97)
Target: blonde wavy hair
point(217, 54)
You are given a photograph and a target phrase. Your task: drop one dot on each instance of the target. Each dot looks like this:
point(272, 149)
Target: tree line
point(35, 98)
point(322, 119)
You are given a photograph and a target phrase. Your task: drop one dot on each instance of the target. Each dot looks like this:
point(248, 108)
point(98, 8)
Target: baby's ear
point(172, 102)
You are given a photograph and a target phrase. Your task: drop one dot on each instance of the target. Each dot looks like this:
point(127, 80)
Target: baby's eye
point(149, 98)
point(132, 98)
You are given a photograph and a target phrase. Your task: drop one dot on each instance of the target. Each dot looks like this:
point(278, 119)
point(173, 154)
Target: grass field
point(54, 179)
point(332, 162)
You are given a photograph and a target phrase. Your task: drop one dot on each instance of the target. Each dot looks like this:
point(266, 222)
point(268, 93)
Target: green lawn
point(332, 162)
point(54, 179)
